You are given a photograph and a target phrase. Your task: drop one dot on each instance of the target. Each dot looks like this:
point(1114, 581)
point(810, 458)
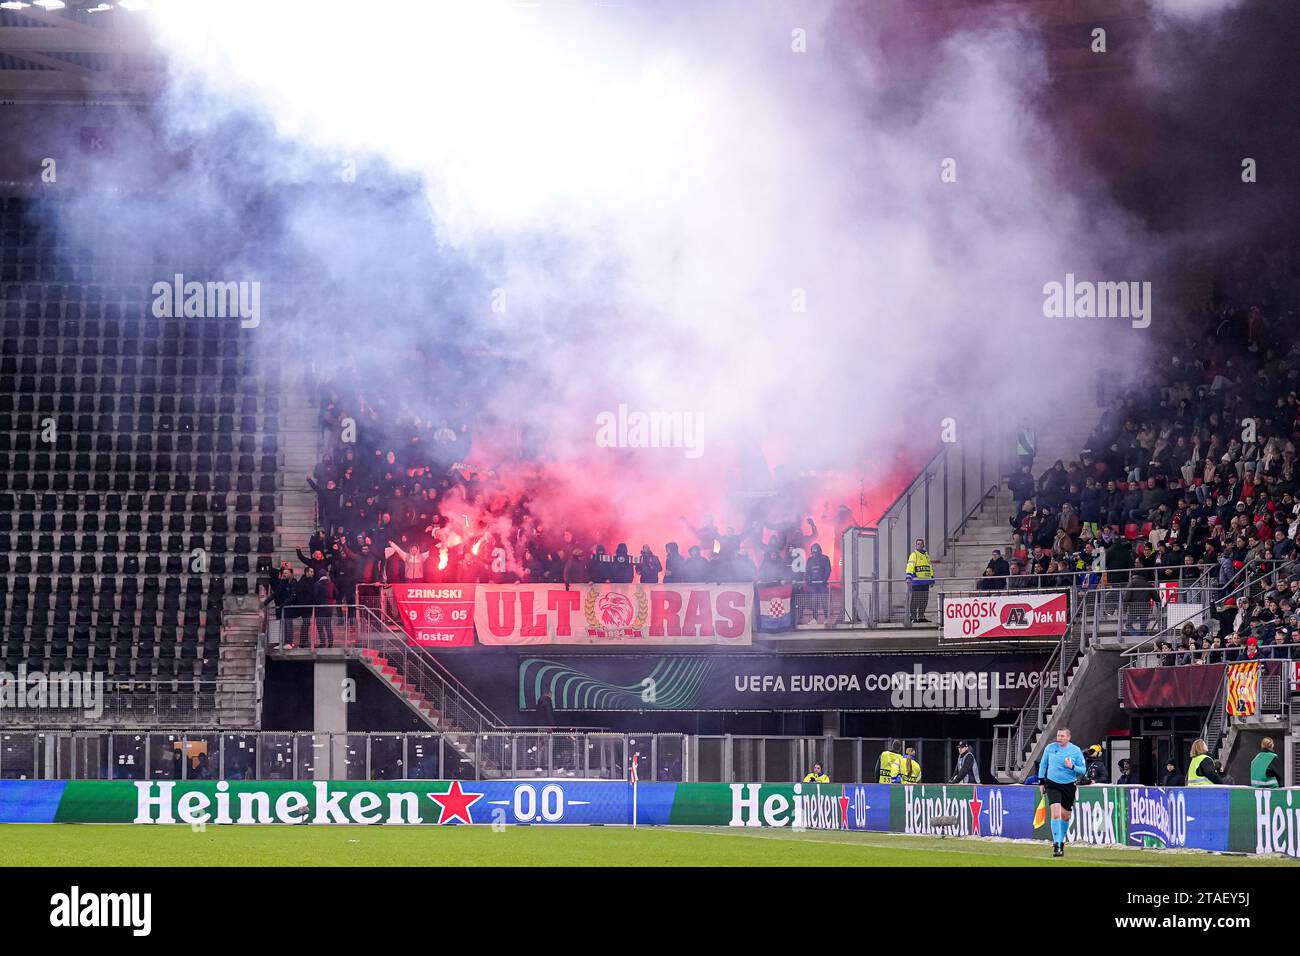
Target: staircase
point(423, 686)
point(1225, 735)
point(240, 666)
point(411, 672)
point(1061, 435)
point(300, 451)
point(1076, 690)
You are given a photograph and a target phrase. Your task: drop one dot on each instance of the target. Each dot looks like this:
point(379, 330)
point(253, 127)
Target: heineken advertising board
point(1234, 819)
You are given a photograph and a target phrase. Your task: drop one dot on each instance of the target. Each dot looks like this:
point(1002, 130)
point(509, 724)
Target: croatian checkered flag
point(775, 608)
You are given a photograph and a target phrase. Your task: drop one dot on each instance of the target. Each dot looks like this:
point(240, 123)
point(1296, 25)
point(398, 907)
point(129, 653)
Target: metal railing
point(145, 754)
point(946, 494)
point(362, 632)
point(1216, 721)
point(888, 600)
point(1209, 593)
point(1014, 742)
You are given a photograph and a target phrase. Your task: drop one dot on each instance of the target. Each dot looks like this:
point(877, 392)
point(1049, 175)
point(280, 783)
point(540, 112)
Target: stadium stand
point(138, 485)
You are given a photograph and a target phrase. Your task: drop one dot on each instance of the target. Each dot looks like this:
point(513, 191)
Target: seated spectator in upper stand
point(622, 569)
point(989, 583)
point(998, 569)
point(1024, 522)
point(649, 567)
point(1019, 581)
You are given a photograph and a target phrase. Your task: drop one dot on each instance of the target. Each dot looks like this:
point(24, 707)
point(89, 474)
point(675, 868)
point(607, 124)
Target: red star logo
point(844, 810)
point(975, 804)
point(455, 803)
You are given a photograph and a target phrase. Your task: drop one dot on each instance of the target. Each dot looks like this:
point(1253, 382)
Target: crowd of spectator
point(1191, 468)
point(398, 501)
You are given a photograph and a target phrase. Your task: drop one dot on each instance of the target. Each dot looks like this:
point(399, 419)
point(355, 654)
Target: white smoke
point(1188, 11)
point(732, 209)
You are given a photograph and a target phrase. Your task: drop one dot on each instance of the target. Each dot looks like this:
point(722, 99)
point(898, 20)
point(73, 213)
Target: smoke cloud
point(820, 228)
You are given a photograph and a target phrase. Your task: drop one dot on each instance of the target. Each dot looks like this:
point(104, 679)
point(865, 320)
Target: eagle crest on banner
point(610, 610)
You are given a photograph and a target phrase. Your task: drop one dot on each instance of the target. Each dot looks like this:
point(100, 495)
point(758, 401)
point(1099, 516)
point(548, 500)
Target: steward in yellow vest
point(816, 775)
point(920, 577)
point(1201, 772)
point(909, 768)
point(889, 767)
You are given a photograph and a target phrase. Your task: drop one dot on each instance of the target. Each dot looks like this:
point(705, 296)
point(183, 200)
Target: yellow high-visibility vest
point(1194, 778)
point(911, 770)
point(889, 766)
point(919, 567)
point(816, 778)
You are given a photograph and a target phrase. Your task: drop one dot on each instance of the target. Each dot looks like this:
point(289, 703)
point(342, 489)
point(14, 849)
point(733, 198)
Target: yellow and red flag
point(1243, 689)
point(1040, 811)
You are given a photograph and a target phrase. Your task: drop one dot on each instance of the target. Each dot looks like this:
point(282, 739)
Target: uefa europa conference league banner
point(988, 683)
point(1235, 819)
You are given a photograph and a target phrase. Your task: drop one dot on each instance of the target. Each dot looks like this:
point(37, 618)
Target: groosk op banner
point(1232, 819)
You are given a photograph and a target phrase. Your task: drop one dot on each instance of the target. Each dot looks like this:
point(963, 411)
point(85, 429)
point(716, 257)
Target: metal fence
point(155, 755)
point(361, 632)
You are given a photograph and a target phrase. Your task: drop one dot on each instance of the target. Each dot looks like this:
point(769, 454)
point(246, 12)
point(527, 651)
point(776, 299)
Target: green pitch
point(124, 845)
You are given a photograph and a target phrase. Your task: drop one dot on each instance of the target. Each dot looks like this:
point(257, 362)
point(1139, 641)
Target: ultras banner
point(620, 614)
point(440, 615)
point(1015, 616)
point(987, 683)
